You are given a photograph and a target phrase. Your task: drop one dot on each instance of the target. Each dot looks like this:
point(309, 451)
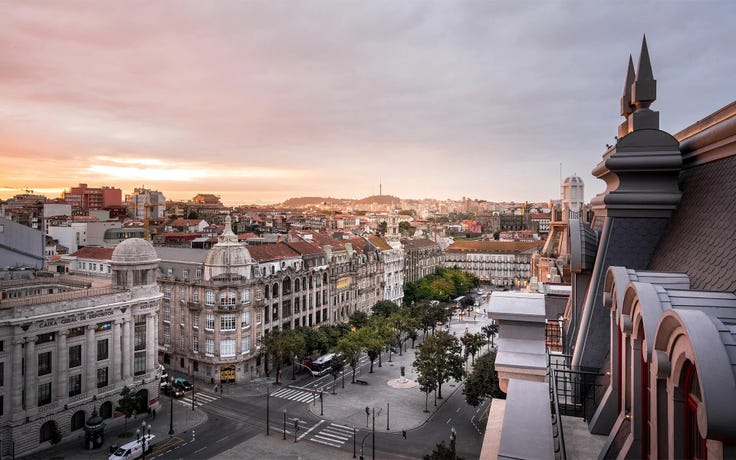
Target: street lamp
point(145, 436)
point(171, 411)
point(284, 424)
point(453, 436)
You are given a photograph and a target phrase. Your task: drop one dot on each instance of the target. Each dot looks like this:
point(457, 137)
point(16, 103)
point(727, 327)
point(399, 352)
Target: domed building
point(208, 310)
point(74, 347)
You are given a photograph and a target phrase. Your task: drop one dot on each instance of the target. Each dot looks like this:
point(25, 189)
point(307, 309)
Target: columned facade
point(63, 352)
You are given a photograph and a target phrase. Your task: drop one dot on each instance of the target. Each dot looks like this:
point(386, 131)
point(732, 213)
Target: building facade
point(421, 258)
point(499, 263)
point(68, 350)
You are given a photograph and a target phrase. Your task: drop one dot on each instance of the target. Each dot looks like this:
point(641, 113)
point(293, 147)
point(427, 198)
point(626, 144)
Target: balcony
point(194, 305)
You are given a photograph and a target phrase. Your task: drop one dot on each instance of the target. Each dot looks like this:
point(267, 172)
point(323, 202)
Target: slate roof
point(701, 237)
point(270, 252)
point(181, 254)
point(92, 252)
point(418, 244)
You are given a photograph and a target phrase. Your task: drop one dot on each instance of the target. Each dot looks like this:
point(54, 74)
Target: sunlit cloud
point(157, 170)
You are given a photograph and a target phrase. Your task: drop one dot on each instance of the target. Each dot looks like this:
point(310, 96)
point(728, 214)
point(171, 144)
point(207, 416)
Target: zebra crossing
point(294, 394)
point(333, 435)
point(200, 399)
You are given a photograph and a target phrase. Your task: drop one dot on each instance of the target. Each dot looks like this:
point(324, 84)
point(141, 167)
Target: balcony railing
point(578, 392)
point(557, 432)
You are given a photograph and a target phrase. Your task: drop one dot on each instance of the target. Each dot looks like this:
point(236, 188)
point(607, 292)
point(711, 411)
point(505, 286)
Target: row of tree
point(443, 285)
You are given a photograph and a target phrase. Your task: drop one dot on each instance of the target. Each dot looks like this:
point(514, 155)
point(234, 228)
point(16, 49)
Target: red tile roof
point(493, 246)
point(269, 252)
point(93, 252)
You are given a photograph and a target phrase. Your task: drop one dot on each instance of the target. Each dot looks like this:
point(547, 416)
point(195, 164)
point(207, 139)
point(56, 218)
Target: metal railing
point(50, 298)
point(577, 392)
point(558, 434)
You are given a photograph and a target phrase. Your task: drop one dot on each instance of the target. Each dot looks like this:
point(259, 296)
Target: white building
point(64, 354)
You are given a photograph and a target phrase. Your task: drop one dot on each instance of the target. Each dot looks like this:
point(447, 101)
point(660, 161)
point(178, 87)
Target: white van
point(133, 449)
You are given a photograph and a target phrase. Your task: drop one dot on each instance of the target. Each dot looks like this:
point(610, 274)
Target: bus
point(321, 365)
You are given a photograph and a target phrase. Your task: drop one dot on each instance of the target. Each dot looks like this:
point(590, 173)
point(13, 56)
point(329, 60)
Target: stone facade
point(67, 353)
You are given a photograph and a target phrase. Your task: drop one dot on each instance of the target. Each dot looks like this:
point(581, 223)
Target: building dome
point(228, 256)
point(573, 180)
point(134, 251)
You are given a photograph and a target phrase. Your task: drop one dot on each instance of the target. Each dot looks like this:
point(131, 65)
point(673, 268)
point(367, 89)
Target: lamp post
point(171, 411)
point(284, 424)
point(268, 412)
point(373, 447)
point(321, 403)
point(453, 436)
point(145, 436)
point(192, 397)
point(353, 441)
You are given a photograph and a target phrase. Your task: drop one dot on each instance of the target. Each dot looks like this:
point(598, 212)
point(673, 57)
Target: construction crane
point(146, 218)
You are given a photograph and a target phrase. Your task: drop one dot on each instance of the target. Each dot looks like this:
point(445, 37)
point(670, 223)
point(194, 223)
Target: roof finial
point(227, 235)
point(627, 107)
point(643, 93)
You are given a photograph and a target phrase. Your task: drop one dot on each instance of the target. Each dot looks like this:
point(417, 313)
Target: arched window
point(286, 286)
point(297, 285)
point(106, 410)
point(77, 420)
point(47, 431)
point(694, 444)
point(275, 291)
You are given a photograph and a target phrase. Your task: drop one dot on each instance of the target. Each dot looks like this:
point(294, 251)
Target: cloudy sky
point(261, 101)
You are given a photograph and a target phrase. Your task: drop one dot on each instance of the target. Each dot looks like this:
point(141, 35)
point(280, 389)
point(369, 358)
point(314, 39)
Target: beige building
point(67, 349)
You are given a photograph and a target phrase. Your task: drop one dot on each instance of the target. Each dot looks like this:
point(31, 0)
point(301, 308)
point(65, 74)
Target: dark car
point(183, 383)
point(172, 390)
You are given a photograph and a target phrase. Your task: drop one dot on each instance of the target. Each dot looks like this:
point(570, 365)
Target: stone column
point(150, 342)
point(31, 374)
point(90, 379)
point(115, 356)
point(62, 366)
point(16, 379)
point(126, 352)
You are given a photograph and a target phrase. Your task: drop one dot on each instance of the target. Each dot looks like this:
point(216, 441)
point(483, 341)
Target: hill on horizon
point(303, 201)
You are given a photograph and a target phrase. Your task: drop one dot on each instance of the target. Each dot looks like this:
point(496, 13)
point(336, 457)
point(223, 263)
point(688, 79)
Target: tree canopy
point(483, 380)
point(443, 285)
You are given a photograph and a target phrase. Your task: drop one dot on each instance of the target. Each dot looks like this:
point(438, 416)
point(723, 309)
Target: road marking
point(222, 439)
point(326, 443)
point(310, 430)
point(448, 420)
point(200, 450)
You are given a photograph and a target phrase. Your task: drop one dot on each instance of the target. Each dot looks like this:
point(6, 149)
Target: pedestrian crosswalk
point(333, 435)
point(200, 398)
point(295, 394)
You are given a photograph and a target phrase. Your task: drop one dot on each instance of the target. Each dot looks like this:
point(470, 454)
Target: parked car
point(132, 450)
point(185, 384)
point(172, 390)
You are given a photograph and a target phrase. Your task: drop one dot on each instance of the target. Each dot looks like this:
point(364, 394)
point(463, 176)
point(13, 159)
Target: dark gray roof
point(701, 237)
point(181, 254)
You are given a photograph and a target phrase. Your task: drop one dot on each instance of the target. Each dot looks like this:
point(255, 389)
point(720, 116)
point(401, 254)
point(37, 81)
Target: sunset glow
point(259, 102)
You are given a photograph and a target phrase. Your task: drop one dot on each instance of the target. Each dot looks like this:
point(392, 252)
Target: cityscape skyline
point(258, 103)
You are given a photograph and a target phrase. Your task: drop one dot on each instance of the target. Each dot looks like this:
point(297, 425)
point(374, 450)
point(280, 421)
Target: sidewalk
point(72, 447)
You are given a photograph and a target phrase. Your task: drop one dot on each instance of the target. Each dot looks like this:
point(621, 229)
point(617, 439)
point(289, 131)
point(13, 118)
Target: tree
point(373, 345)
point(404, 227)
point(336, 367)
point(490, 330)
point(358, 319)
point(385, 308)
point(382, 228)
point(127, 404)
point(295, 347)
point(277, 345)
point(427, 384)
point(483, 381)
point(315, 340)
point(442, 452)
point(440, 355)
point(472, 343)
point(351, 347)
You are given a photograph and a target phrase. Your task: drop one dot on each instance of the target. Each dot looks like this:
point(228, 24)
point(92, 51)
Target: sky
point(259, 101)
